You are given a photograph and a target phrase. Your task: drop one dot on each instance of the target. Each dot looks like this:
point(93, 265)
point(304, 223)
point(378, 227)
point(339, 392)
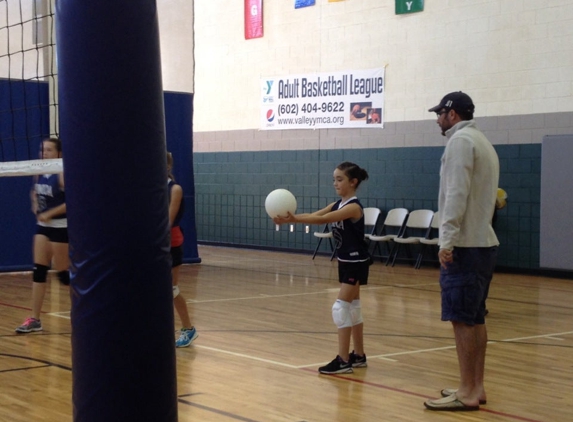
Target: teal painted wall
point(231, 188)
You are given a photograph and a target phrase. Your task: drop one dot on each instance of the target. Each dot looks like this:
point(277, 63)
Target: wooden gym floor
point(264, 324)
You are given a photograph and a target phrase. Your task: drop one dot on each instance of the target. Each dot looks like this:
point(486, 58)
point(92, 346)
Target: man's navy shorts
point(465, 284)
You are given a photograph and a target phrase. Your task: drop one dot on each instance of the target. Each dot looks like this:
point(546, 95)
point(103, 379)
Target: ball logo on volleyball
point(270, 115)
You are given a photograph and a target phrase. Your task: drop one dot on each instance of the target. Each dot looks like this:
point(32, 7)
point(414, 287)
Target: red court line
point(411, 393)
point(9, 305)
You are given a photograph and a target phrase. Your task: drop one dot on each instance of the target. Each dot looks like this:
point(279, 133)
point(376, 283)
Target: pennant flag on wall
point(303, 3)
point(409, 6)
point(253, 19)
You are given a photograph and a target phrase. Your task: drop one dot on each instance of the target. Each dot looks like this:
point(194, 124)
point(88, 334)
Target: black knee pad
point(64, 277)
point(40, 273)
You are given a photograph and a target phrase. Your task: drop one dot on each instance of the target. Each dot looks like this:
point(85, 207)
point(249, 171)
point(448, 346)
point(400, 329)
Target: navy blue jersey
point(181, 206)
point(349, 236)
point(49, 194)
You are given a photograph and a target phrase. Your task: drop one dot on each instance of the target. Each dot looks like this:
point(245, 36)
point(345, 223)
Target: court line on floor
point(243, 355)
point(552, 336)
point(61, 314)
point(217, 411)
point(386, 356)
point(533, 337)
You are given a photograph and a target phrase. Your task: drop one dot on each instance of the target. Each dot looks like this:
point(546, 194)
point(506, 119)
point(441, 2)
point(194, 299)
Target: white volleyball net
point(28, 86)
point(31, 167)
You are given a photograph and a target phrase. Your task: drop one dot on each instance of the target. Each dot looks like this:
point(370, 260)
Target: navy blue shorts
point(176, 256)
point(54, 234)
point(353, 272)
point(465, 284)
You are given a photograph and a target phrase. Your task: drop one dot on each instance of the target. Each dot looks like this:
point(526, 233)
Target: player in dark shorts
point(188, 333)
point(51, 238)
point(346, 218)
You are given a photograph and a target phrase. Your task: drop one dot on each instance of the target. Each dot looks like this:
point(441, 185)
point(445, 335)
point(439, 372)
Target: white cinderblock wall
point(176, 39)
point(514, 57)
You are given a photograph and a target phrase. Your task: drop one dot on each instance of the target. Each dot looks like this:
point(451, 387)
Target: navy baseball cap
point(457, 101)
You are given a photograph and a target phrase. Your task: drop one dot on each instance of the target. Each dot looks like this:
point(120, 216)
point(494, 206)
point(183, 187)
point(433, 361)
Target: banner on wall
point(348, 99)
point(253, 19)
point(303, 3)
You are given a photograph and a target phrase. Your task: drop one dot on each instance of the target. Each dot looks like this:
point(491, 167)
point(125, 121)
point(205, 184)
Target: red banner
point(253, 19)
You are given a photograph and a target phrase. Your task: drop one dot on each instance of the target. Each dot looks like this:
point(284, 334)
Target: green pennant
point(409, 6)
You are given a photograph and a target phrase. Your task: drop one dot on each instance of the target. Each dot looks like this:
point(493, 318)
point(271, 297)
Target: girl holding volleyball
point(346, 218)
point(176, 207)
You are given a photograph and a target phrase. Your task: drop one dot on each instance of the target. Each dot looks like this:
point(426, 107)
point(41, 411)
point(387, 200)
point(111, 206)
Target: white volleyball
point(280, 202)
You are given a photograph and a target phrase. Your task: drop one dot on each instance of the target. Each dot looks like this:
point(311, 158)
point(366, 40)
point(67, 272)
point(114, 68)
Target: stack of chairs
point(391, 228)
point(415, 229)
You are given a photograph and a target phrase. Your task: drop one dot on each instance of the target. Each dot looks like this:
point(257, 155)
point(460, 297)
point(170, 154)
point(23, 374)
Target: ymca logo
point(269, 86)
point(270, 115)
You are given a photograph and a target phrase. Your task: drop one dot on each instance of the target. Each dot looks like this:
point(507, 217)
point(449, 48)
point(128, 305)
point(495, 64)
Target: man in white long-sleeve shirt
point(469, 177)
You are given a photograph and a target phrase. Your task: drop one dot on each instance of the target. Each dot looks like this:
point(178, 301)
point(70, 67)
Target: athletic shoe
point(337, 366)
point(31, 324)
point(186, 337)
point(358, 361)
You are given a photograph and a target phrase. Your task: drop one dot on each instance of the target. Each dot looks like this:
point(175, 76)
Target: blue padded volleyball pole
point(179, 131)
point(113, 135)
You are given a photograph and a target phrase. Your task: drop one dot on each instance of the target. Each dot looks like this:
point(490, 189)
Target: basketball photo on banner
point(358, 110)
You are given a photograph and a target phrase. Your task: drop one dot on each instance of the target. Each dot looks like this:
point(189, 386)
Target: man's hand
point(445, 256)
